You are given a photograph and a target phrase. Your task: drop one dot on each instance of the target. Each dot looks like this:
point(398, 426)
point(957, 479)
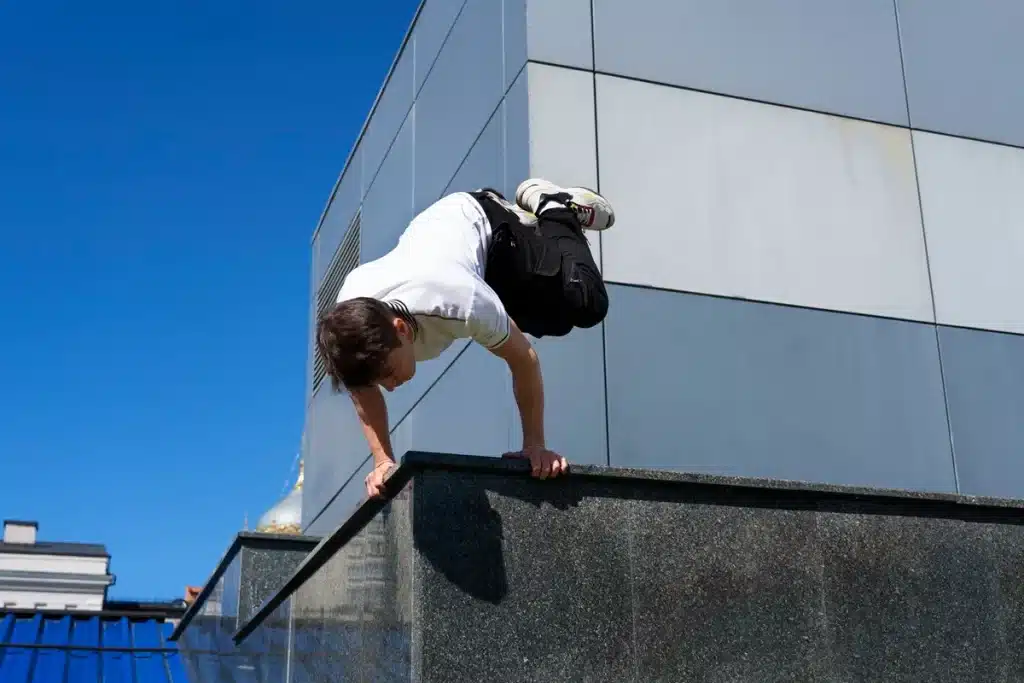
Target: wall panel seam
point(779, 304)
point(927, 259)
point(769, 103)
point(600, 237)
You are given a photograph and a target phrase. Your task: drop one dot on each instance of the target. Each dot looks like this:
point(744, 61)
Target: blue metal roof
point(64, 648)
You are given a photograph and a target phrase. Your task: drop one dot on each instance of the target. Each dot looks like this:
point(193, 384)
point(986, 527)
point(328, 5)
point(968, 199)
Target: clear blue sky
point(162, 168)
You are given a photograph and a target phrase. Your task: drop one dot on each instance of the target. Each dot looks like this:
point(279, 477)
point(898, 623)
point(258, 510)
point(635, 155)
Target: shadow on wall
point(470, 553)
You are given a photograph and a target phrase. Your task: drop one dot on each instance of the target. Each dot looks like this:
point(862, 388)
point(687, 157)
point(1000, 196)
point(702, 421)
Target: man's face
point(401, 364)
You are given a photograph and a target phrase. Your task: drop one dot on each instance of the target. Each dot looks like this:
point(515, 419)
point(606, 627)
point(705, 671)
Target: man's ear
point(402, 327)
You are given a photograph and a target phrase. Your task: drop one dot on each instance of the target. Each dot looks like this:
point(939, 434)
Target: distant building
point(40, 575)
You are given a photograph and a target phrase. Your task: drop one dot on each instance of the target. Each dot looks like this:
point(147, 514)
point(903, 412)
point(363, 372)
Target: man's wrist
point(382, 462)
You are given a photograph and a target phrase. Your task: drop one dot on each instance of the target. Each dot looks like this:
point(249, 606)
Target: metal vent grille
point(345, 260)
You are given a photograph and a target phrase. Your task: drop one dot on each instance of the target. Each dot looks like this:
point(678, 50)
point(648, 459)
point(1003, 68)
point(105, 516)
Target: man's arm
point(373, 415)
point(527, 385)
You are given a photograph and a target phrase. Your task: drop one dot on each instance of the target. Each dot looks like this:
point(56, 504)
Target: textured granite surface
point(353, 619)
point(264, 570)
point(264, 655)
point(254, 567)
point(643, 576)
point(475, 572)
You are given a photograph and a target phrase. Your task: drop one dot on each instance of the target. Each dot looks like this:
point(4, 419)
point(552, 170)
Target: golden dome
point(286, 516)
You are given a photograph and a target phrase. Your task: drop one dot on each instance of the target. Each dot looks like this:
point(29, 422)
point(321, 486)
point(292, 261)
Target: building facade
point(815, 270)
point(43, 575)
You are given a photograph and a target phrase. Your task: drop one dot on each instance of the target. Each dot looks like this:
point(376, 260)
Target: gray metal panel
point(560, 32)
point(730, 197)
point(485, 164)
point(740, 388)
point(468, 411)
point(457, 100)
point(563, 142)
point(432, 27)
point(963, 63)
point(573, 368)
point(387, 208)
point(336, 449)
point(985, 390)
point(394, 105)
point(973, 205)
point(339, 214)
point(514, 27)
point(838, 56)
point(517, 134)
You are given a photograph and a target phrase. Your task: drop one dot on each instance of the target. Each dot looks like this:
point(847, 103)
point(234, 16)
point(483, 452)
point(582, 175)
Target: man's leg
point(541, 265)
point(562, 215)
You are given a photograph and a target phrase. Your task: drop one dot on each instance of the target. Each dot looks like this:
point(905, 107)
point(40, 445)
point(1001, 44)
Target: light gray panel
point(337, 447)
point(573, 368)
point(389, 115)
point(972, 197)
point(339, 214)
point(724, 196)
point(432, 27)
point(560, 32)
point(963, 62)
point(562, 137)
point(514, 26)
point(839, 56)
point(485, 165)
point(733, 387)
point(517, 134)
point(468, 411)
point(387, 209)
point(985, 390)
point(458, 99)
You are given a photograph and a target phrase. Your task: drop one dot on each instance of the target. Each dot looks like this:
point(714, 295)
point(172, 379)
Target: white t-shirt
point(437, 271)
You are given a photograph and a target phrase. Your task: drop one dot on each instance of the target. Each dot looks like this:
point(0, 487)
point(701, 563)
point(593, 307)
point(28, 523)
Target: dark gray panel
point(264, 571)
point(518, 584)
point(339, 215)
point(387, 207)
point(457, 101)
point(985, 389)
point(432, 27)
point(705, 384)
point(388, 116)
point(836, 56)
point(469, 410)
point(910, 598)
point(517, 134)
point(725, 593)
point(337, 448)
point(485, 164)
point(962, 62)
point(514, 28)
point(337, 507)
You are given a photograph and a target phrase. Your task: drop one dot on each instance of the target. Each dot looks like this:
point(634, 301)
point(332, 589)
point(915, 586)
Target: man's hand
point(375, 479)
point(543, 463)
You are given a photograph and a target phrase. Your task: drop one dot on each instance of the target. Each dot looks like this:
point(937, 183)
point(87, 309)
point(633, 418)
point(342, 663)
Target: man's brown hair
point(354, 339)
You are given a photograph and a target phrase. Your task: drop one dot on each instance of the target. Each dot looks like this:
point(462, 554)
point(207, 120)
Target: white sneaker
point(525, 217)
point(593, 210)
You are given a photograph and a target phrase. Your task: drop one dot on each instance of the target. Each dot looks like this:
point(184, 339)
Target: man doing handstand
point(470, 266)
